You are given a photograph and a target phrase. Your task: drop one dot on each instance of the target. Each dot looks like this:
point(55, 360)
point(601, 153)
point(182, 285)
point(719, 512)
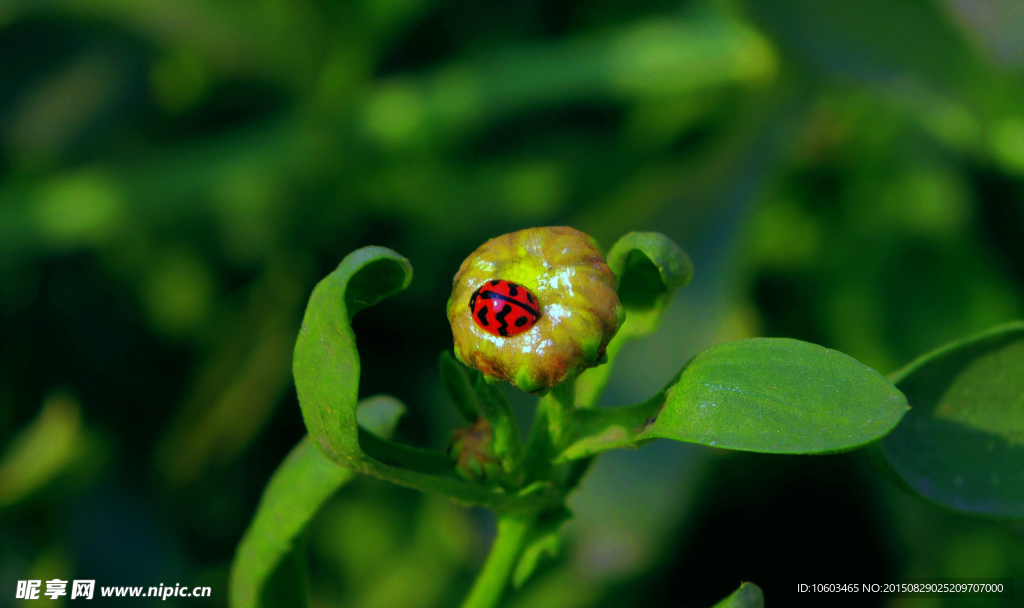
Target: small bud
point(472, 449)
point(535, 307)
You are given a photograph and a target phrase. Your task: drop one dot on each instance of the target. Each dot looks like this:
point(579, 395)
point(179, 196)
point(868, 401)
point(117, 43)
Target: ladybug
point(504, 308)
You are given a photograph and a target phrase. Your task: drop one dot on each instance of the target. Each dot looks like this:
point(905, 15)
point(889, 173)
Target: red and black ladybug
point(504, 308)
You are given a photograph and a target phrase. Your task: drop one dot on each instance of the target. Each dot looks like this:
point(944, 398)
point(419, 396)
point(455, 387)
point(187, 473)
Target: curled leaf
point(326, 362)
point(649, 267)
point(326, 370)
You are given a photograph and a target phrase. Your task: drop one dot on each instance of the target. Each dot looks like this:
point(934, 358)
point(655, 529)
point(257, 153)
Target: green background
point(176, 175)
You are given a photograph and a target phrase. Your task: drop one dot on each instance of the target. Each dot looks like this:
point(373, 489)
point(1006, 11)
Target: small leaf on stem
point(458, 384)
point(508, 443)
point(544, 539)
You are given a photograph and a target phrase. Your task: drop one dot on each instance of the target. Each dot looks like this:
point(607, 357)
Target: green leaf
point(459, 386)
point(266, 571)
point(761, 395)
point(303, 482)
point(779, 395)
point(286, 585)
point(649, 267)
point(326, 362)
point(748, 595)
point(380, 414)
point(961, 445)
point(544, 539)
point(326, 370)
point(508, 444)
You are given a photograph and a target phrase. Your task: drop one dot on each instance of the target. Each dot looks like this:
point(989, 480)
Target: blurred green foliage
point(175, 176)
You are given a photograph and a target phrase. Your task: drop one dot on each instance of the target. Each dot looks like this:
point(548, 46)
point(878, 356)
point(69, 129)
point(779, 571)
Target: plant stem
point(554, 411)
point(508, 544)
point(559, 403)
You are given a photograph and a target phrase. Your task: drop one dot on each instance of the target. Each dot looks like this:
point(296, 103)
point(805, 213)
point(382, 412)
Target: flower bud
point(535, 307)
point(472, 449)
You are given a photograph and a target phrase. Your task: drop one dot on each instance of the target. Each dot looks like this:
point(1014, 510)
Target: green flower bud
point(578, 311)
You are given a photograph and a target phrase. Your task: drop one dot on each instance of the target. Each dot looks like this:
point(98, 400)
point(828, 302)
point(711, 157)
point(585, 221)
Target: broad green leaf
point(459, 387)
point(761, 395)
point(649, 267)
point(303, 482)
point(544, 539)
point(962, 443)
point(779, 395)
point(265, 566)
point(326, 370)
point(748, 595)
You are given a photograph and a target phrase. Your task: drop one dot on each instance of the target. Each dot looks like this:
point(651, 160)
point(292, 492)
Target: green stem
point(554, 412)
point(404, 456)
point(508, 544)
point(590, 384)
point(559, 404)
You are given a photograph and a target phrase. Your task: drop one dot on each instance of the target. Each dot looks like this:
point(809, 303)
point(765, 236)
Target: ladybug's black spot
point(482, 315)
point(512, 291)
point(495, 282)
point(503, 328)
point(520, 321)
point(529, 298)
